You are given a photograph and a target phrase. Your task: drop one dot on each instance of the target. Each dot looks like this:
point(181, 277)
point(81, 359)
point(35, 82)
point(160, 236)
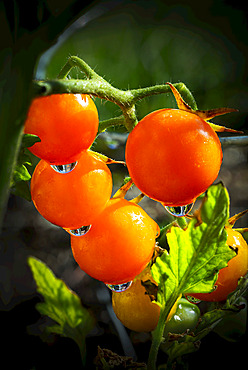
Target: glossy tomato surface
point(185, 318)
point(228, 277)
point(173, 156)
point(134, 308)
point(66, 125)
point(119, 244)
point(72, 200)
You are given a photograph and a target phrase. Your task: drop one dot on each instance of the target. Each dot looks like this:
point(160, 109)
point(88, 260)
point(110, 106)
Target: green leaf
point(197, 253)
point(217, 311)
point(21, 189)
point(21, 173)
point(62, 305)
point(24, 157)
point(21, 176)
point(29, 140)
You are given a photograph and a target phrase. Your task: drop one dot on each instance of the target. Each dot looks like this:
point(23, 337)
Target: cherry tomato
point(73, 199)
point(228, 277)
point(186, 317)
point(67, 124)
point(134, 308)
point(119, 244)
point(173, 156)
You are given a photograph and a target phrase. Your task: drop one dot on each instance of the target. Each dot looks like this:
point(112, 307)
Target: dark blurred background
point(132, 44)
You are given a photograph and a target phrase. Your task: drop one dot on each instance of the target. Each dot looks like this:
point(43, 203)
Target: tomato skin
point(67, 124)
point(122, 239)
point(173, 156)
point(186, 317)
point(228, 277)
point(134, 307)
point(74, 199)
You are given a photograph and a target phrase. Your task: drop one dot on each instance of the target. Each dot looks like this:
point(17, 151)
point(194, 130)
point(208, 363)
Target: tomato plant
point(182, 166)
point(66, 125)
point(72, 200)
point(172, 156)
point(122, 237)
point(229, 276)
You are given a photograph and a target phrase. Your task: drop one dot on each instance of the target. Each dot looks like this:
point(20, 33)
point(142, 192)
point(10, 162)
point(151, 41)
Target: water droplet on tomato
point(118, 288)
point(64, 168)
point(81, 231)
point(179, 211)
point(192, 299)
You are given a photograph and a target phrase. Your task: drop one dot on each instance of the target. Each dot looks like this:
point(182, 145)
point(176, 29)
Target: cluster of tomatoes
point(112, 239)
point(172, 156)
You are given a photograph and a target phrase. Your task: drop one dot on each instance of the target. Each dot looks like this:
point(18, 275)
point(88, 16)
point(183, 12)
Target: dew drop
point(118, 288)
point(81, 231)
point(192, 299)
point(179, 211)
point(64, 168)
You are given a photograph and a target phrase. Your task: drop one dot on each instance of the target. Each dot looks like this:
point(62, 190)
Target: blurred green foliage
point(141, 43)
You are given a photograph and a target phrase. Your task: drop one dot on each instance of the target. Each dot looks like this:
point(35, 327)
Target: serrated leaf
point(61, 304)
point(197, 253)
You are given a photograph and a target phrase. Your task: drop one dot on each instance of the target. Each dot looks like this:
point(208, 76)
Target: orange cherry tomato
point(228, 277)
point(74, 199)
point(173, 156)
point(67, 124)
point(119, 244)
point(134, 308)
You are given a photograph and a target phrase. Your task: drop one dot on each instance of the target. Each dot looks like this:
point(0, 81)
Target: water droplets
point(192, 299)
point(64, 168)
point(81, 231)
point(179, 211)
point(118, 288)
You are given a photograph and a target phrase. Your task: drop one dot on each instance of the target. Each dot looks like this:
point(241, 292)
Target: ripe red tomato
point(228, 277)
point(119, 244)
point(73, 199)
point(173, 156)
point(134, 308)
point(67, 124)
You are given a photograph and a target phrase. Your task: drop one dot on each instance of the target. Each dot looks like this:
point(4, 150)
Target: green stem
point(99, 87)
point(182, 222)
point(157, 335)
point(116, 121)
point(139, 94)
point(163, 231)
point(81, 64)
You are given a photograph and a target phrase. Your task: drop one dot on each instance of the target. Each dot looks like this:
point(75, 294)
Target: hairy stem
point(157, 335)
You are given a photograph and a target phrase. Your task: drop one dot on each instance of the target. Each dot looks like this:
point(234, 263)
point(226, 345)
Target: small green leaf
point(29, 140)
point(21, 173)
point(62, 305)
point(24, 157)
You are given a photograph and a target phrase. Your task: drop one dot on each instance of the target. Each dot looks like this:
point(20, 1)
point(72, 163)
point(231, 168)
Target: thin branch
point(116, 121)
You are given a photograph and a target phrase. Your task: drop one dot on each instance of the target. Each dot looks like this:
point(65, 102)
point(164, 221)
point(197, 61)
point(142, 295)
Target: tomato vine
point(197, 243)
